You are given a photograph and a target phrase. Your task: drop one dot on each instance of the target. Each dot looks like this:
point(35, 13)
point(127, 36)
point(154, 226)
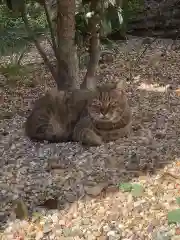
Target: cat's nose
point(104, 111)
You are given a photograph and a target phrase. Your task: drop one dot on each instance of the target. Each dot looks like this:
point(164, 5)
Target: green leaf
point(137, 190)
point(125, 187)
point(174, 216)
point(178, 200)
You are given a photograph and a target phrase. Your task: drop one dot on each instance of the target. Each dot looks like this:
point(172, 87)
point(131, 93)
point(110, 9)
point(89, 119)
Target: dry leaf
point(20, 209)
point(95, 190)
point(50, 204)
point(177, 91)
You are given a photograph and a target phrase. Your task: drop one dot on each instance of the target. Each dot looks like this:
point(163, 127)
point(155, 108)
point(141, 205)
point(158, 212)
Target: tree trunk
point(68, 69)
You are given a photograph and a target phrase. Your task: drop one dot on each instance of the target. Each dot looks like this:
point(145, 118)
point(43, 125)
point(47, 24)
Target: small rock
point(113, 235)
point(67, 232)
point(54, 218)
point(86, 221)
point(58, 232)
point(62, 223)
point(174, 238)
point(106, 228)
point(70, 197)
point(160, 235)
point(39, 235)
point(47, 228)
point(91, 237)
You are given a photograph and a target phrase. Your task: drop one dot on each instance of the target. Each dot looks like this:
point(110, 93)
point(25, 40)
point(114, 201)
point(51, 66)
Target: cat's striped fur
point(89, 117)
point(106, 118)
point(54, 115)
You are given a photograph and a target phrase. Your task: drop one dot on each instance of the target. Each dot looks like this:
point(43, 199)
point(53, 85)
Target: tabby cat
point(106, 118)
point(54, 115)
point(89, 117)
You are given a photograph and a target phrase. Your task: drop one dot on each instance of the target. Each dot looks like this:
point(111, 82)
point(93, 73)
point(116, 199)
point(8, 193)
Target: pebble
point(47, 228)
point(54, 218)
point(113, 235)
point(67, 232)
point(174, 238)
point(39, 235)
point(106, 228)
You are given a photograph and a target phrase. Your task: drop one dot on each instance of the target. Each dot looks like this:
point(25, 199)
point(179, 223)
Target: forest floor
point(125, 189)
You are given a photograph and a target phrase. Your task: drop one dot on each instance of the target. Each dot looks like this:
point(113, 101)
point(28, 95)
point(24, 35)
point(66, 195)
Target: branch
point(21, 56)
point(144, 50)
point(94, 47)
point(38, 46)
point(54, 45)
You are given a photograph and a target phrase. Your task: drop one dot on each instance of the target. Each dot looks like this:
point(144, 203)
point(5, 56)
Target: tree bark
point(94, 47)
point(37, 44)
point(68, 68)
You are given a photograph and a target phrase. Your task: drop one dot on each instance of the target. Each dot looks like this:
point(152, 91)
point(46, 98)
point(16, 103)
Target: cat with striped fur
point(55, 114)
point(107, 117)
point(90, 117)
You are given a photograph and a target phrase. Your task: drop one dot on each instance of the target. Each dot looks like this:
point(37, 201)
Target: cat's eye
point(96, 103)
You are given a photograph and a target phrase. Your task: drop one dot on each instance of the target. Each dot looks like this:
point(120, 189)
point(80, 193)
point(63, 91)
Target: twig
point(38, 46)
point(145, 49)
point(21, 56)
point(139, 57)
point(54, 44)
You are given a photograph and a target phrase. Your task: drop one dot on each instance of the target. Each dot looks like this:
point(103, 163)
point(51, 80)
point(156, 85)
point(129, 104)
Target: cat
point(90, 117)
point(54, 115)
point(107, 117)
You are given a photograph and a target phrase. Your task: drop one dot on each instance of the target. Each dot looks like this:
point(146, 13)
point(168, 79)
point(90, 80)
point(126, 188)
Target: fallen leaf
point(178, 163)
point(177, 91)
point(174, 216)
point(178, 200)
point(137, 190)
point(125, 187)
point(95, 190)
point(50, 204)
point(20, 209)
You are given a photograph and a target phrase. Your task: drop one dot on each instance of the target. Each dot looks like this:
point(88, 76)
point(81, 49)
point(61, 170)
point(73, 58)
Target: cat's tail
point(84, 134)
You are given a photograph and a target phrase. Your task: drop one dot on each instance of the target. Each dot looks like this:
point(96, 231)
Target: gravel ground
point(83, 182)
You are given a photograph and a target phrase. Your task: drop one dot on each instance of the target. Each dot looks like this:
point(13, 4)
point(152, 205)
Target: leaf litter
point(80, 183)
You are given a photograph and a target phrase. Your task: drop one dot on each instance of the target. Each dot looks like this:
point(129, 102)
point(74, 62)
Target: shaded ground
point(84, 180)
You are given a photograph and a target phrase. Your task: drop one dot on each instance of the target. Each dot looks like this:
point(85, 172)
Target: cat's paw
point(95, 140)
point(90, 138)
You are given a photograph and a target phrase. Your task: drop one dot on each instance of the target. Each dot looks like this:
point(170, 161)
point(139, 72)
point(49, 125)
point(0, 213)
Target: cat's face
point(108, 105)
